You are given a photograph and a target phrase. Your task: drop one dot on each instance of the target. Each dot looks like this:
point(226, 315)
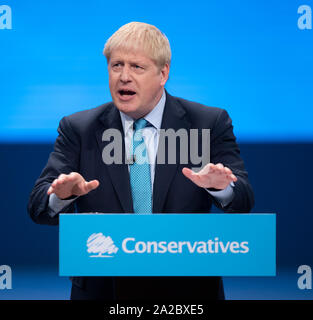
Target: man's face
point(136, 83)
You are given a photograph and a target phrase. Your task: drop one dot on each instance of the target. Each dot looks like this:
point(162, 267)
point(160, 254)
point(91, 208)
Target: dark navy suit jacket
point(79, 148)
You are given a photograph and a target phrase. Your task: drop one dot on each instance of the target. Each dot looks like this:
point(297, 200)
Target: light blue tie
point(140, 178)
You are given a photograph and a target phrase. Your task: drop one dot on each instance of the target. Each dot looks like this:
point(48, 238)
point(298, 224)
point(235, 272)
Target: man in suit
point(77, 179)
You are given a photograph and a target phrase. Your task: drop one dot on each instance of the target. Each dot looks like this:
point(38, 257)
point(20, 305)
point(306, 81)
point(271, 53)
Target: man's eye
point(136, 66)
point(116, 65)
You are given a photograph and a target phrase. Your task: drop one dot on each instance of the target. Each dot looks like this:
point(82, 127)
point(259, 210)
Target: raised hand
point(73, 184)
point(211, 176)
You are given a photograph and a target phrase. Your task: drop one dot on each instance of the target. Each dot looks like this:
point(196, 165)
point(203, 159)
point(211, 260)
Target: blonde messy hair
point(141, 36)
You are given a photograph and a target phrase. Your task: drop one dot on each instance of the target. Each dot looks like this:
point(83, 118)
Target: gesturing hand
point(72, 184)
point(211, 176)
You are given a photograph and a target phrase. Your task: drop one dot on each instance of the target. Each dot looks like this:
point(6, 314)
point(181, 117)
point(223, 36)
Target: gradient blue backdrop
point(248, 57)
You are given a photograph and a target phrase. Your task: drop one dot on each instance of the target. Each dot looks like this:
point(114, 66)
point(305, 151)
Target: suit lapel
point(174, 117)
point(118, 173)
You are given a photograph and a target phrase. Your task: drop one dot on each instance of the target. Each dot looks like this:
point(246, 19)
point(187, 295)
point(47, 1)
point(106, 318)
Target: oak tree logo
point(101, 246)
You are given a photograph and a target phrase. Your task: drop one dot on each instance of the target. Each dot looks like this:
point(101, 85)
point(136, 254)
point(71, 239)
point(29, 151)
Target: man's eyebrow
point(117, 60)
point(138, 62)
point(131, 62)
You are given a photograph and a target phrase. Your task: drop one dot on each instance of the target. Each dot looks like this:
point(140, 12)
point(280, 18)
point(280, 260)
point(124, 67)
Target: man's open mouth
point(126, 92)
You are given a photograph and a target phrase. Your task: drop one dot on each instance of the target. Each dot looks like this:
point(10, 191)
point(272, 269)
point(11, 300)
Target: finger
point(206, 169)
point(61, 178)
point(227, 171)
point(209, 168)
point(91, 185)
point(50, 190)
point(193, 176)
point(188, 172)
point(212, 167)
point(75, 176)
point(67, 178)
point(57, 183)
point(220, 168)
point(54, 183)
point(232, 177)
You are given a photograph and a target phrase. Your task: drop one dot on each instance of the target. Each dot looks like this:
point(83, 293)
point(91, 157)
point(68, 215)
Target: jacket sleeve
point(225, 150)
point(63, 159)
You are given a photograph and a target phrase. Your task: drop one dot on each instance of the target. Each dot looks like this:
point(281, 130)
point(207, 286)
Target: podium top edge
point(168, 214)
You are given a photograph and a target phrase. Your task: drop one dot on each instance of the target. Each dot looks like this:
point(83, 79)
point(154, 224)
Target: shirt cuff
point(224, 197)
point(56, 205)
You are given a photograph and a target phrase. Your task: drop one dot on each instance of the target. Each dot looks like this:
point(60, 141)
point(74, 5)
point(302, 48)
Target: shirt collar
point(154, 116)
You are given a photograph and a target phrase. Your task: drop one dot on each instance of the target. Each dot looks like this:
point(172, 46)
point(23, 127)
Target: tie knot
point(141, 123)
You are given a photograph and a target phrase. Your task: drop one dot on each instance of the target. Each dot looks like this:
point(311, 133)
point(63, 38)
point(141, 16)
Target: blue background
point(248, 57)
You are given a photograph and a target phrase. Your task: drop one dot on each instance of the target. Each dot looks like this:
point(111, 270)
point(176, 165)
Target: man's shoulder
point(198, 111)
point(86, 121)
point(89, 115)
point(196, 106)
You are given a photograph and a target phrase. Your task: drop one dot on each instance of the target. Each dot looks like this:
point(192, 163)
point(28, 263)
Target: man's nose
point(125, 74)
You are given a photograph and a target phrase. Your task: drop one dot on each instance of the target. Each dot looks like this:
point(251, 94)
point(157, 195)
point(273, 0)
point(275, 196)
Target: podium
point(167, 245)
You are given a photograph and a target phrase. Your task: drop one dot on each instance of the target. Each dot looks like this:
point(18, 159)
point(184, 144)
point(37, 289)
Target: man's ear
point(164, 74)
